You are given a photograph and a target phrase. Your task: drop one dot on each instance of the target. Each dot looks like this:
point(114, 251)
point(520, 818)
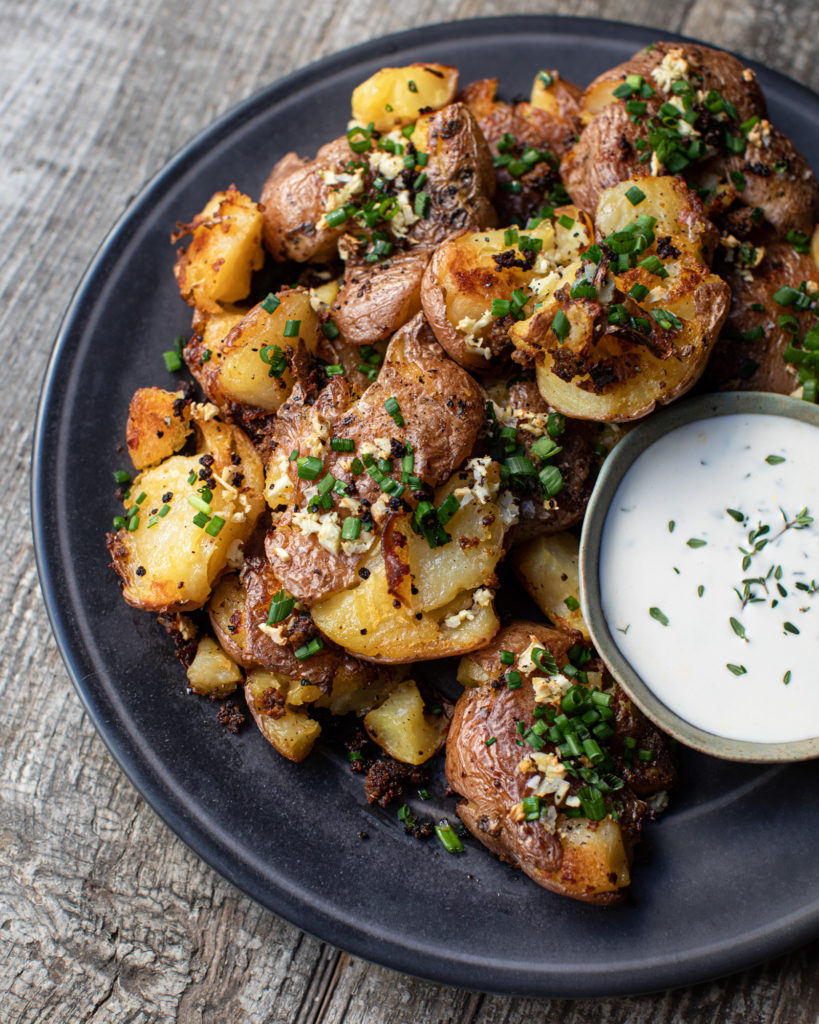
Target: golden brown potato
point(628, 341)
point(444, 413)
point(159, 424)
point(225, 249)
point(298, 193)
point(472, 271)
point(290, 731)
point(404, 729)
point(569, 835)
point(180, 536)
point(394, 97)
point(212, 673)
point(749, 353)
point(548, 567)
point(718, 138)
point(252, 364)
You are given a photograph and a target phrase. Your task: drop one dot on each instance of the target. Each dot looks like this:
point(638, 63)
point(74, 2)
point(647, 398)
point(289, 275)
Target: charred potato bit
point(563, 806)
point(225, 249)
point(631, 324)
point(159, 423)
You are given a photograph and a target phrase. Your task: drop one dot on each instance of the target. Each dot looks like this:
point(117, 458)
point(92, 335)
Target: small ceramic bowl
point(612, 473)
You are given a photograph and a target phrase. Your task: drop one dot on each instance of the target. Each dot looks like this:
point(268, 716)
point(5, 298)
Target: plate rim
point(465, 971)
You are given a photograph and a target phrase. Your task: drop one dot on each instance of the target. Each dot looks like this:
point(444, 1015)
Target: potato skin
point(491, 785)
point(378, 298)
point(731, 366)
point(293, 201)
point(550, 122)
point(159, 423)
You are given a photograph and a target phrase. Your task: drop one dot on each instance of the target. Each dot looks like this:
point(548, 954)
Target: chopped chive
point(271, 303)
point(173, 361)
point(490, 741)
point(309, 649)
point(561, 325)
point(280, 607)
point(507, 658)
point(738, 670)
point(657, 614)
point(448, 837)
point(700, 590)
point(342, 444)
point(351, 528)
point(572, 604)
point(292, 328)
point(334, 370)
point(635, 195)
point(200, 505)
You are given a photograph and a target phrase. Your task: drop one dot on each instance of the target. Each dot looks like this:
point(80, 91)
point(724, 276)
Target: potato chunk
point(170, 556)
point(225, 249)
point(394, 97)
point(159, 423)
point(548, 568)
point(252, 363)
point(402, 727)
point(291, 732)
point(212, 673)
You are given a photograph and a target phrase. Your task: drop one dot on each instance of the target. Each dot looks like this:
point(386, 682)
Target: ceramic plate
point(731, 879)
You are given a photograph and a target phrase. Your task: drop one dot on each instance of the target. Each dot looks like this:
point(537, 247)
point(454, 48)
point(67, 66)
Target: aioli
point(670, 603)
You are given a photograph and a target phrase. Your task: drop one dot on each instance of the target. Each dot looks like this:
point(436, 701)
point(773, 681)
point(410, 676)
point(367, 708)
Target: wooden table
point(104, 914)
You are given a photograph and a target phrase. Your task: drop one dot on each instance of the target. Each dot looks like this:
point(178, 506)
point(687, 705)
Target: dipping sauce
point(709, 569)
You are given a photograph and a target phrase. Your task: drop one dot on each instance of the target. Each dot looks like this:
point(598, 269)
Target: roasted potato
point(610, 344)
point(394, 97)
point(685, 108)
point(548, 568)
point(289, 730)
point(212, 673)
point(444, 413)
point(403, 728)
point(181, 534)
point(378, 298)
point(159, 424)
point(570, 832)
point(472, 272)
point(749, 353)
point(415, 600)
point(297, 195)
point(225, 249)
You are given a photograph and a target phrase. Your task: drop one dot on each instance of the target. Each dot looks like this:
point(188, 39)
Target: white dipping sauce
point(690, 477)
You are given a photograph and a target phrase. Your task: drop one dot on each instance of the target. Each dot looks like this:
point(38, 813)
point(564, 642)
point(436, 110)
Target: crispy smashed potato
point(225, 249)
point(548, 567)
point(288, 729)
point(474, 278)
point(611, 344)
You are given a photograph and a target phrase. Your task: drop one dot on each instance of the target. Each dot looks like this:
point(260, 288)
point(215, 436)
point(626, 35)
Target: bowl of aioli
point(699, 568)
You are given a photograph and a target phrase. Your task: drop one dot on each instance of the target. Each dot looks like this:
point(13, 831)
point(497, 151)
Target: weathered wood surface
point(104, 914)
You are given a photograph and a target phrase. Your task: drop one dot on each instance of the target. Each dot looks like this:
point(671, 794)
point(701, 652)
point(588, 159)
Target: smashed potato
point(394, 97)
point(631, 324)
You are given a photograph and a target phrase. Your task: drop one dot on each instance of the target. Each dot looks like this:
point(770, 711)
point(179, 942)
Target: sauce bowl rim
point(615, 467)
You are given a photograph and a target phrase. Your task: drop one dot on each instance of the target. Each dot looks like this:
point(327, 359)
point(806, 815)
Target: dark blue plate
point(732, 879)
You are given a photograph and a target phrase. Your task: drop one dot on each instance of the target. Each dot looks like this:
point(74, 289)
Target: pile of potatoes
point(488, 294)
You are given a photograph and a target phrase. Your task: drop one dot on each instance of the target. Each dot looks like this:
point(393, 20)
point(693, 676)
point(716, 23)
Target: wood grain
point(104, 914)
